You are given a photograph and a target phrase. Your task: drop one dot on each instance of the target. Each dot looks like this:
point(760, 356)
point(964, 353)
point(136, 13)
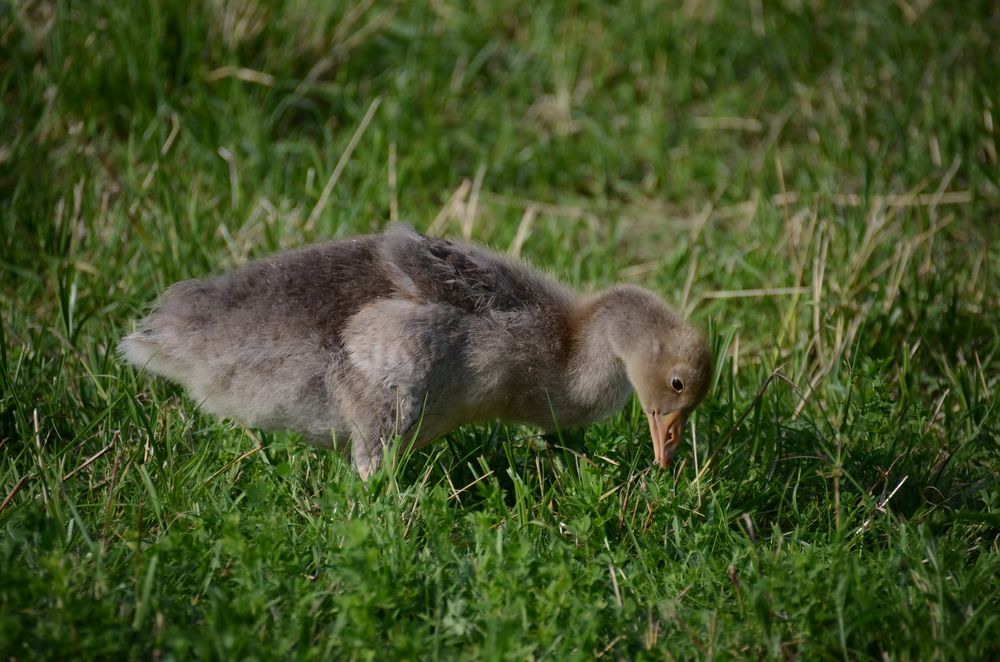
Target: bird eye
point(677, 384)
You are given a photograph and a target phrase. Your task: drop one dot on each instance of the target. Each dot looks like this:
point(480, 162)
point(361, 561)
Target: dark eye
point(677, 384)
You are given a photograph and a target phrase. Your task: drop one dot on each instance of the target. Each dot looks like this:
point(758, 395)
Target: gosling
point(360, 342)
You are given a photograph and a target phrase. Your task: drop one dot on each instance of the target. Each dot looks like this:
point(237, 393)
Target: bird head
point(668, 362)
point(670, 381)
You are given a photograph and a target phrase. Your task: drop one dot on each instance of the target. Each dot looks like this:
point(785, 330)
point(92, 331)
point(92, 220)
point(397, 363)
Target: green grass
point(842, 499)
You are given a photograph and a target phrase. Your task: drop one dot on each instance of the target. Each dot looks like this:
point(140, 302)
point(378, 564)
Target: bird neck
point(596, 366)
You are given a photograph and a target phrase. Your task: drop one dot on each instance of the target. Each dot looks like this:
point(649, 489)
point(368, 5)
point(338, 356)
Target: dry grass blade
point(342, 162)
point(13, 492)
point(454, 493)
point(614, 585)
point(689, 281)
point(175, 128)
point(241, 73)
point(880, 507)
point(341, 43)
point(638, 270)
point(90, 460)
point(393, 193)
point(348, 20)
point(522, 230)
point(38, 455)
point(441, 220)
point(231, 463)
point(753, 293)
point(469, 219)
point(548, 208)
point(819, 272)
point(747, 124)
point(891, 201)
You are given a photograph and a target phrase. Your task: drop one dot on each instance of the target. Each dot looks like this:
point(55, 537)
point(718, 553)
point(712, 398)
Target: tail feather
point(161, 342)
point(148, 350)
point(139, 348)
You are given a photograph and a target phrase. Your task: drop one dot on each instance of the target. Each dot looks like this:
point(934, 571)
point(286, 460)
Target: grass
point(815, 183)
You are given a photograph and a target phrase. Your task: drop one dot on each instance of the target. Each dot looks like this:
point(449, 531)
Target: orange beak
point(665, 430)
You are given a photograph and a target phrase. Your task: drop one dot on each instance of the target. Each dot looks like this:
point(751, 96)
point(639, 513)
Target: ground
point(814, 183)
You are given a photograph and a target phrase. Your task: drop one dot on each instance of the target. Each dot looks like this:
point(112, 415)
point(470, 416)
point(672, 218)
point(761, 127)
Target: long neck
point(596, 371)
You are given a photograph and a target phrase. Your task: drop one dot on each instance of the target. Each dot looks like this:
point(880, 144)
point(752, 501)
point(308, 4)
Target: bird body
point(358, 341)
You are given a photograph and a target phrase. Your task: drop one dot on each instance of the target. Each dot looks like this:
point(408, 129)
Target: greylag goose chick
point(359, 341)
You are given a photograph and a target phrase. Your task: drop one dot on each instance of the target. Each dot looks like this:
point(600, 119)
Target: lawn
point(814, 183)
